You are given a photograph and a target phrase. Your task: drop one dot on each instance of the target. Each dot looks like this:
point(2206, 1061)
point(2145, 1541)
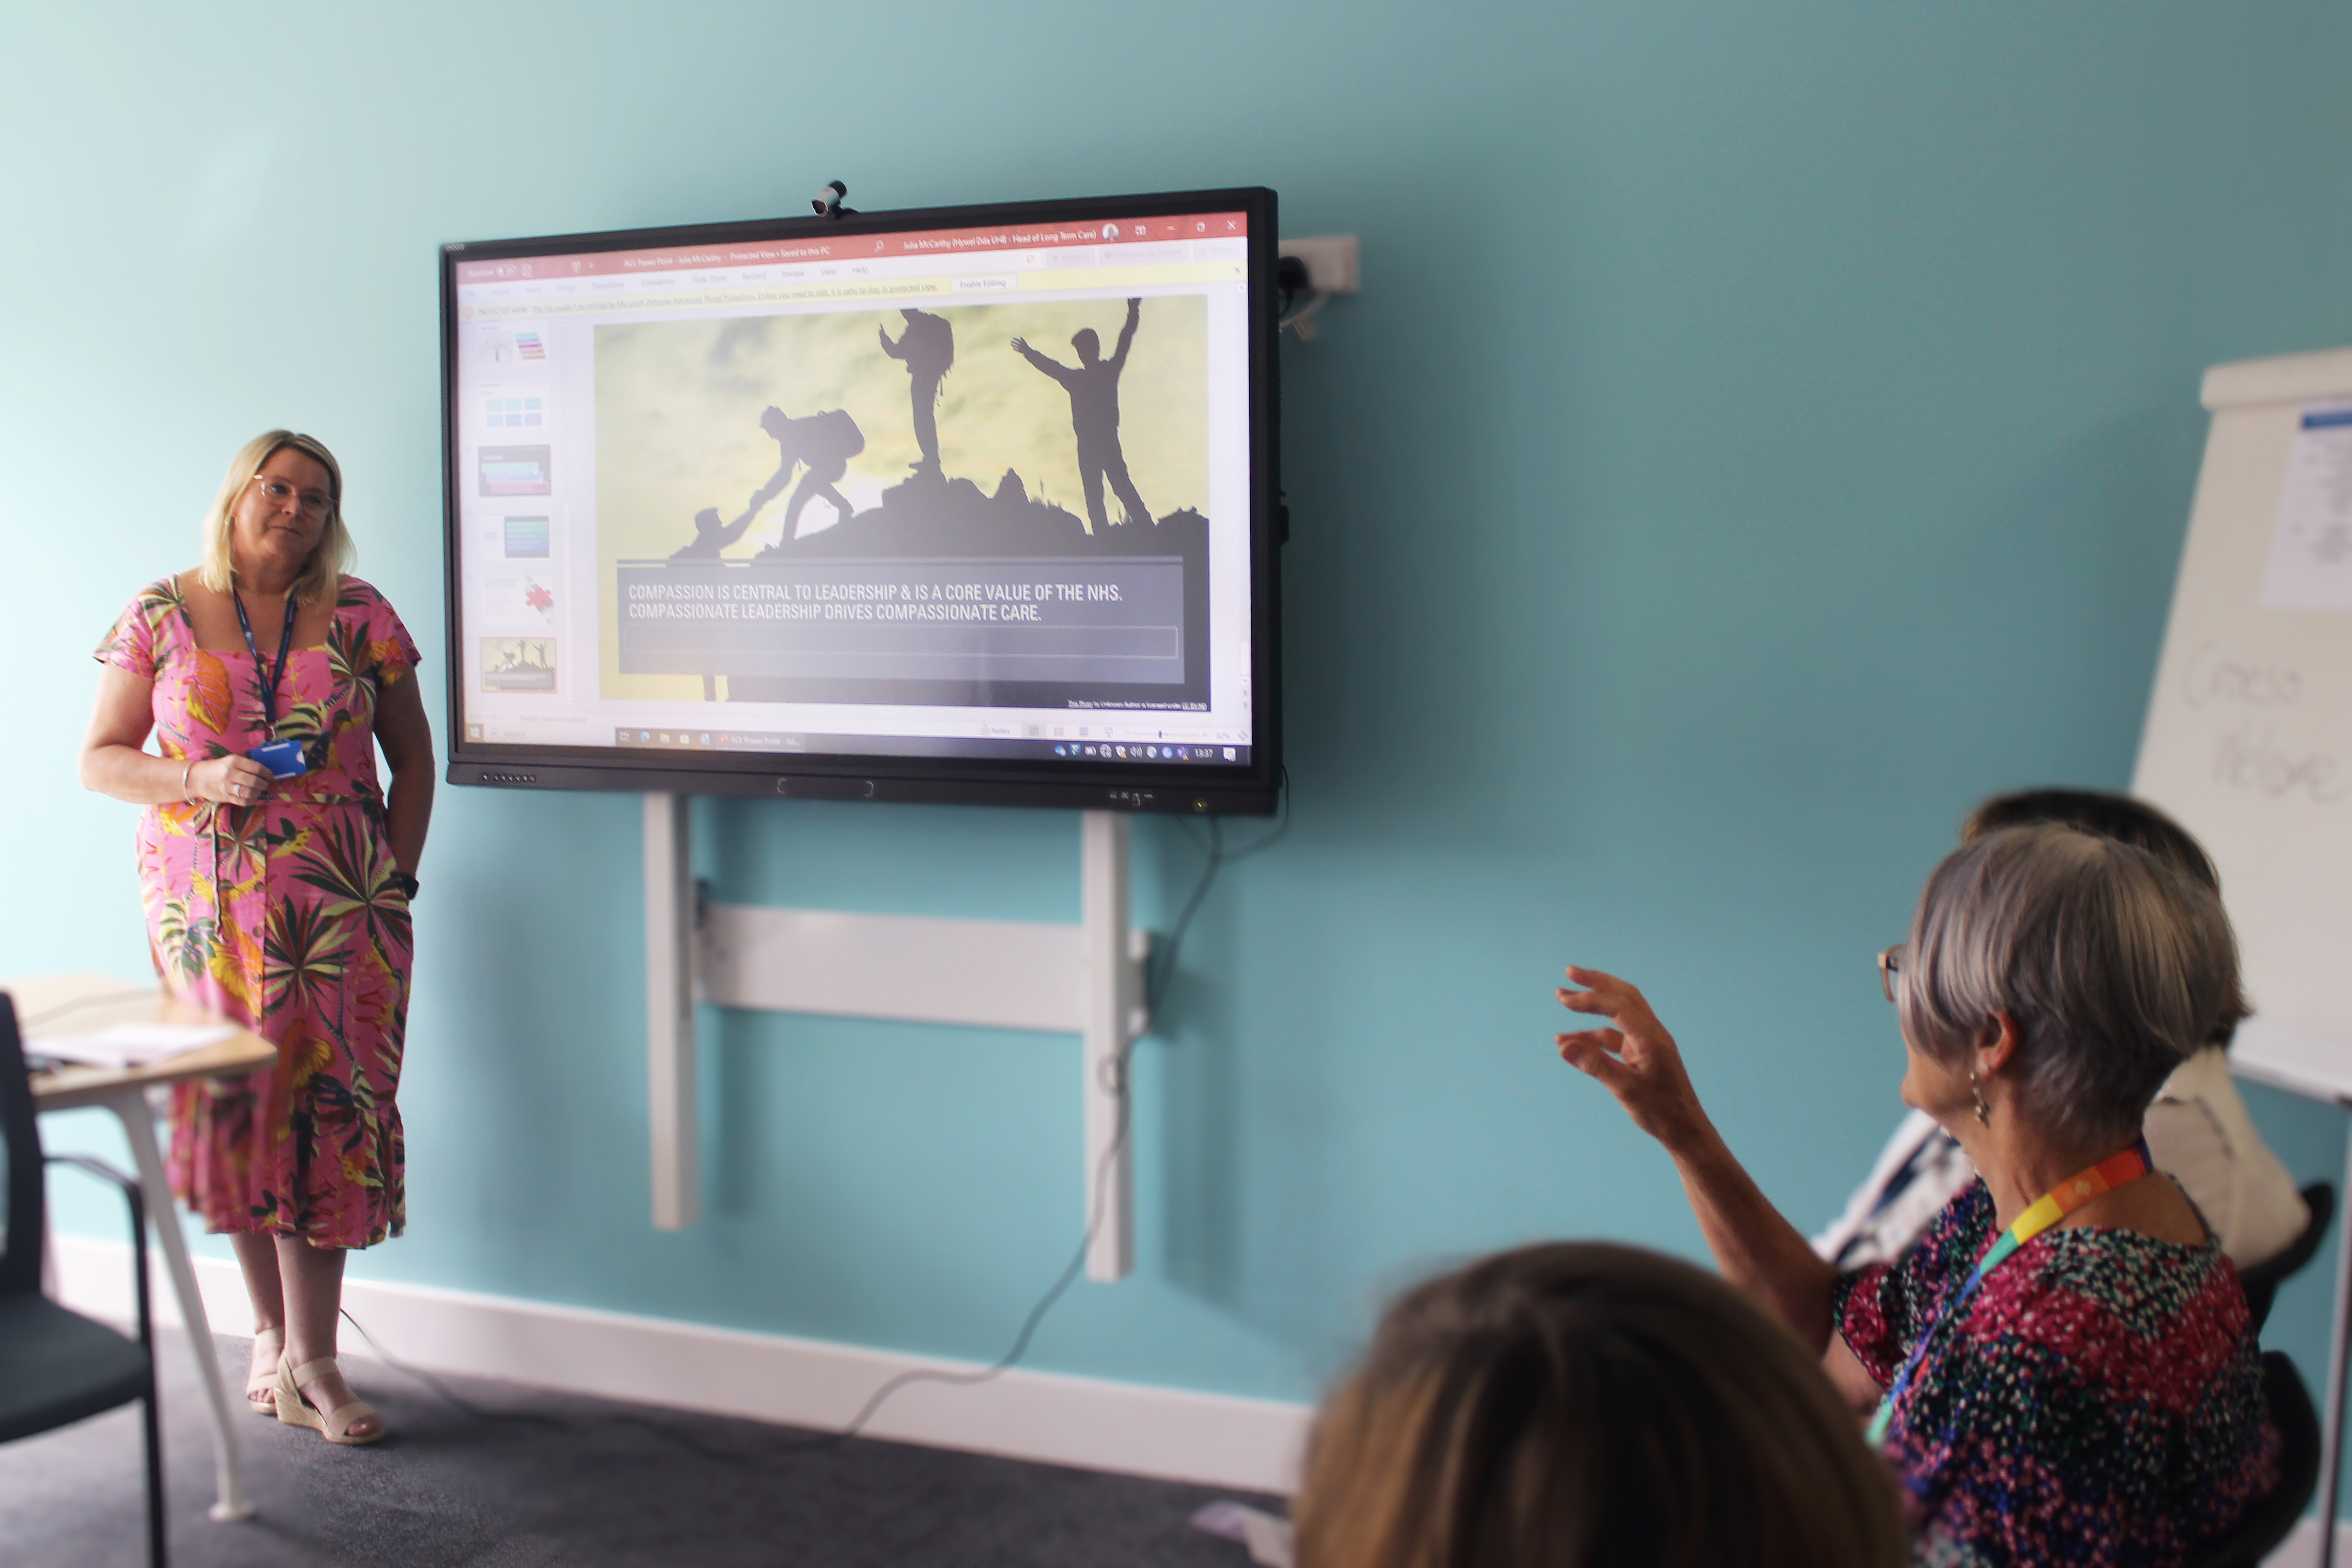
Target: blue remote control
point(282, 758)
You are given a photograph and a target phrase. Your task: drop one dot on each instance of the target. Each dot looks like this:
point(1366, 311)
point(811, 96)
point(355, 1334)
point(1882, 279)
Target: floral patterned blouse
point(2099, 1399)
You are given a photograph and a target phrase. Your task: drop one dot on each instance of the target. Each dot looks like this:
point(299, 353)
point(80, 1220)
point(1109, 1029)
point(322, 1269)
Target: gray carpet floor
point(550, 1479)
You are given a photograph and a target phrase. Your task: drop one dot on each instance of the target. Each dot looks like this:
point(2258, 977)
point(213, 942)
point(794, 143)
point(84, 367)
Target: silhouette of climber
point(927, 348)
point(825, 442)
point(1093, 387)
point(711, 536)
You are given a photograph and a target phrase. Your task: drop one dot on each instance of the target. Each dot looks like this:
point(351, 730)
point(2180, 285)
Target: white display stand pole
point(1085, 979)
point(671, 1101)
point(2316, 1067)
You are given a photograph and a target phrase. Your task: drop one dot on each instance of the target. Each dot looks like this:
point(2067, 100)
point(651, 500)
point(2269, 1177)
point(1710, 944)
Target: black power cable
point(1155, 992)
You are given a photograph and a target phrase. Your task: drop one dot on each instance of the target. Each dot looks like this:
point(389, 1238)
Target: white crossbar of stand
point(1085, 979)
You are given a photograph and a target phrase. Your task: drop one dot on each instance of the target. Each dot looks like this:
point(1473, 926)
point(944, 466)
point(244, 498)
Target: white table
point(71, 1003)
point(2316, 1067)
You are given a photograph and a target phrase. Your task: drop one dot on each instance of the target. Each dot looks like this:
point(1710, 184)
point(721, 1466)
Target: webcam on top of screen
point(829, 199)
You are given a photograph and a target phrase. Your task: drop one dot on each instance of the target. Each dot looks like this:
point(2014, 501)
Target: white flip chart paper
point(2249, 736)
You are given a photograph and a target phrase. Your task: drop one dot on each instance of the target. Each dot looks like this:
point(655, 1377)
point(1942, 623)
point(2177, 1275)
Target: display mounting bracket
point(1085, 979)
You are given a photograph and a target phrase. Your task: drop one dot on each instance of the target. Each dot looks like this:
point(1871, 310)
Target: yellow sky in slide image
point(678, 406)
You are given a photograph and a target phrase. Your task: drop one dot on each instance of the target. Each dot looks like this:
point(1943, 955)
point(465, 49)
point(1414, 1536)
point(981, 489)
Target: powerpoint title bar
point(862, 246)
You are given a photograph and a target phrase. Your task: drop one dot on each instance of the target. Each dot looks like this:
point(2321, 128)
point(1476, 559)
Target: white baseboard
point(1210, 1439)
point(2301, 1549)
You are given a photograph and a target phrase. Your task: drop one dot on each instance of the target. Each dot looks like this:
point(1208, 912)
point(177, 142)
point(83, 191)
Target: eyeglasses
point(310, 503)
point(1890, 964)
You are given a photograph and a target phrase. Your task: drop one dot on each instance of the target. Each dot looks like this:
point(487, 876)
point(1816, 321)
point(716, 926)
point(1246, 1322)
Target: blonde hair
point(321, 576)
point(1591, 1405)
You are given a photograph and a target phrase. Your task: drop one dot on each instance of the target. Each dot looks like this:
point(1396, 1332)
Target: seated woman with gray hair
point(2198, 1129)
point(2062, 1367)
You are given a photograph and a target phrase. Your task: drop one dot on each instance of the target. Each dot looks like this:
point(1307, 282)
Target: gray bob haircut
point(2112, 964)
point(322, 574)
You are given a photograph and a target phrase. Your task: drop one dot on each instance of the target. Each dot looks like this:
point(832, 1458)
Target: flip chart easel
point(2249, 737)
point(1085, 979)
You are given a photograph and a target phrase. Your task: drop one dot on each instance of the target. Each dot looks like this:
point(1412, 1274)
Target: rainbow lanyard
point(2048, 1209)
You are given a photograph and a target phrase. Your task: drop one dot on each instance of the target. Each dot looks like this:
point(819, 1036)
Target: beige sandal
point(334, 1426)
point(266, 1382)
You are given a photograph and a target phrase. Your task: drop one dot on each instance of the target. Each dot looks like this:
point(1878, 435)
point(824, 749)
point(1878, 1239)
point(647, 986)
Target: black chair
point(58, 1367)
point(2259, 1530)
point(2262, 1280)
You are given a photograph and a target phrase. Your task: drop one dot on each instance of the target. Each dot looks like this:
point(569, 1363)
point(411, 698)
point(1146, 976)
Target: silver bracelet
point(183, 777)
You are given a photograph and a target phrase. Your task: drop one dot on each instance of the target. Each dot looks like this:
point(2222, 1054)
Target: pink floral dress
point(283, 916)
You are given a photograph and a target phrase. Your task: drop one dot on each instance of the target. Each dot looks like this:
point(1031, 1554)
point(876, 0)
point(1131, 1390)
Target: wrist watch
point(406, 884)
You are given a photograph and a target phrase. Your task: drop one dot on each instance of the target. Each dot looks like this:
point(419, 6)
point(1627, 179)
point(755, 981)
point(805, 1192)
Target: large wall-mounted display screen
point(975, 504)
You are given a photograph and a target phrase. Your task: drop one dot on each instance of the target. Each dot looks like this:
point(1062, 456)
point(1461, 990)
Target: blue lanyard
point(285, 647)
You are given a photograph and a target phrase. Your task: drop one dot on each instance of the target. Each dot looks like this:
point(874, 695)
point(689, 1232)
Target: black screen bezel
point(1126, 784)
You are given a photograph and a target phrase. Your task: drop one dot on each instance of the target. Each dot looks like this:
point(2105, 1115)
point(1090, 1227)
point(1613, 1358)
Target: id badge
point(282, 758)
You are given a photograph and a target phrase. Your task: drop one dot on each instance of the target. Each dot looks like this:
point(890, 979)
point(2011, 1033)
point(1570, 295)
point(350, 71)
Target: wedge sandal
point(334, 1426)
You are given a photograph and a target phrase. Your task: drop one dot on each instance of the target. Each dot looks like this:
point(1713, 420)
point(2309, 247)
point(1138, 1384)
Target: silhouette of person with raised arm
point(1093, 387)
point(927, 348)
point(825, 442)
point(711, 536)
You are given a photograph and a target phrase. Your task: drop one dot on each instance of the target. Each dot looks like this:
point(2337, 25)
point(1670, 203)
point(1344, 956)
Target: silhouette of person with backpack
point(927, 348)
point(825, 442)
point(1093, 387)
point(711, 536)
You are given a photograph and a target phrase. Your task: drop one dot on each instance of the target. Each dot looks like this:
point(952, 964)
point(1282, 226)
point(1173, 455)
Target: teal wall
point(1764, 431)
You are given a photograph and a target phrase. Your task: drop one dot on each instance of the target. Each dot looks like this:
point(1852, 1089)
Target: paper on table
point(127, 1045)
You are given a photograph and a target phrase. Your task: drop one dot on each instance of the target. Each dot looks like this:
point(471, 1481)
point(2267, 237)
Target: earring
point(1984, 1111)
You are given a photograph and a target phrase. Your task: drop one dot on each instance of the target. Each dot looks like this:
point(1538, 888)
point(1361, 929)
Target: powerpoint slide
point(503, 599)
point(517, 664)
point(514, 471)
point(516, 344)
point(512, 408)
point(525, 538)
point(985, 505)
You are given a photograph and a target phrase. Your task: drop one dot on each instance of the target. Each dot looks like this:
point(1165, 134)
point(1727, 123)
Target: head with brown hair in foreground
point(1591, 1405)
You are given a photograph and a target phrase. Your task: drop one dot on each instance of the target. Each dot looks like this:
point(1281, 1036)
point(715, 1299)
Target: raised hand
point(1020, 345)
point(1754, 1244)
point(1636, 1061)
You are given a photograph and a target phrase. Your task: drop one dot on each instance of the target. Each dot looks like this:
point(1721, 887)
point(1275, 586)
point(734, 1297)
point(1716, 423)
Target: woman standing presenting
point(277, 879)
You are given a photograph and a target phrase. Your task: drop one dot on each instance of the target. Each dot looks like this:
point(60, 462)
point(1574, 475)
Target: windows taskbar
point(1022, 748)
